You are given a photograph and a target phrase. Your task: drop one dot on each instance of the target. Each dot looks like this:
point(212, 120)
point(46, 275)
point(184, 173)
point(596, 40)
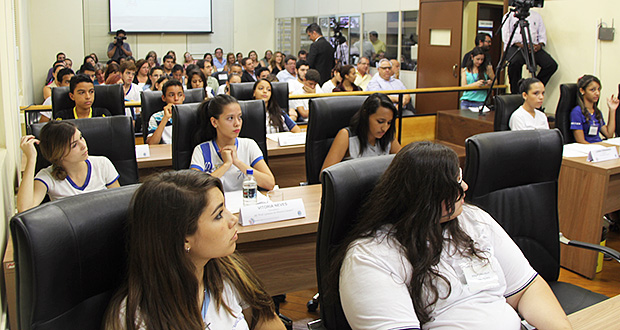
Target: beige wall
point(9, 127)
point(470, 26)
point(572, 41)
point(53, 27)
point(254, 26)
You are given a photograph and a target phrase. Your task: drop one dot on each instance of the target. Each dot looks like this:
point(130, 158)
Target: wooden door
point(439, 55)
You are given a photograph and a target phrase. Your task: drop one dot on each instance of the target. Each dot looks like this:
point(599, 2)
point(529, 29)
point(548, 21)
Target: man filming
point(119, 48)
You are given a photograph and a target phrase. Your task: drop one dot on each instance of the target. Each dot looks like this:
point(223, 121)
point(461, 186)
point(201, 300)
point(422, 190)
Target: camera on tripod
point(526, 3)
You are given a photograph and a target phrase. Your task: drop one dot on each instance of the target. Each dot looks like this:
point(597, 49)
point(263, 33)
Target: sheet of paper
point(292, 139)
point(234, 200)
point(614, 141)
point(579, 149)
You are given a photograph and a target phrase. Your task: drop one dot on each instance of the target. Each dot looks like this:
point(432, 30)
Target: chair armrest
point(607, 251)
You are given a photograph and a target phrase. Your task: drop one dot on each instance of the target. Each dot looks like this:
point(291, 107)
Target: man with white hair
point(385, 81)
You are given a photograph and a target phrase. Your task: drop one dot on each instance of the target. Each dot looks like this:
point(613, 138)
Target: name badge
point(272, 212)
point(593, 130)
point(479, 275)
point(600, 155)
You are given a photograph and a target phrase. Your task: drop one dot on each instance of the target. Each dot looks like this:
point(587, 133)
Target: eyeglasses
point(460, 179)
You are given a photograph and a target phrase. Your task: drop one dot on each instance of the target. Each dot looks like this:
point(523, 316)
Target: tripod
point(527, 49)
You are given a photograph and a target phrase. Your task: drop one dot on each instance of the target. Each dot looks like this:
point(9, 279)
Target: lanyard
point(205, 306)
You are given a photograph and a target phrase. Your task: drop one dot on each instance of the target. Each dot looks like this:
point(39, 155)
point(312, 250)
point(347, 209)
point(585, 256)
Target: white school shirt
point(303, 102)
point(207, 158)
point(216, 318)
point(133, 94)
point(101, 174)
point(522, 120)
point(375, 274)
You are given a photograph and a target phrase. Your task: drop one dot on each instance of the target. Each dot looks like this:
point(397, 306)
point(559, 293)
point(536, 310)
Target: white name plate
point(600, 155)
point(292, 139)
point(272, 212)
point(142, 151)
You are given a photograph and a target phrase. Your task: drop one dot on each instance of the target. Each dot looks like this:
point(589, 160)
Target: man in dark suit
point(248, 70)
point(321, 55)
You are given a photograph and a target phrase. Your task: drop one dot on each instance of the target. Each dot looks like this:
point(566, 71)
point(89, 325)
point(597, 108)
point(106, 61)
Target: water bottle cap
point(249, 172)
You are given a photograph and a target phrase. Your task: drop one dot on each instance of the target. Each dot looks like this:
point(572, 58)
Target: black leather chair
point(327, 117)
point(243, 92)
point(345, 186)
point(70, 259)
point(112, 137)
point(568, 100)
point(110, 97)
point(514, 177)
point(505, 105)
point(151, 103)
point(185, 118)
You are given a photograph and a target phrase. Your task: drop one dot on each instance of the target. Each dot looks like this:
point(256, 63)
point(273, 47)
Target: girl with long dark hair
point(476, 73)
point(182, 269)
point(418, 258)
point(371, 132)
point(224, 154)
point(586, 120)
point(277, 119)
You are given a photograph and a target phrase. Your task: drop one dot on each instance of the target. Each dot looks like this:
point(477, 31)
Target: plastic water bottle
point(249, 188)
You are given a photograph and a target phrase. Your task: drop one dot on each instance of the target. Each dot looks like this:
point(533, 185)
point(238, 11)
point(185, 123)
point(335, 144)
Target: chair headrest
point(524, 157)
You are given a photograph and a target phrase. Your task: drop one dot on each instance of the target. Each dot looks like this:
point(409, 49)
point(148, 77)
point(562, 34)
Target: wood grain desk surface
point(609, 167)
point(161, 154)
point(311, 195)
point(602, 316)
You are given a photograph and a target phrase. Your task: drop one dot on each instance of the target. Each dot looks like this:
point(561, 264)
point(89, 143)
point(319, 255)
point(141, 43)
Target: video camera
point(119, 40)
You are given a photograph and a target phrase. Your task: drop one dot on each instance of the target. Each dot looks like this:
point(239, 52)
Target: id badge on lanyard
point(593, 130)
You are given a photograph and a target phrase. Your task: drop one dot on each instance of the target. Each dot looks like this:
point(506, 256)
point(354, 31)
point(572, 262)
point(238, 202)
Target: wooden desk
point(283, 253)
point(288, 164)
point(586, 192)
point(602, 316)
point(455, 126)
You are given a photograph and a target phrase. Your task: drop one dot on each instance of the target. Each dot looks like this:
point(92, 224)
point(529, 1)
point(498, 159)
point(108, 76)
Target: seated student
point(142, 74)
point(586, 120)
point(64, 76)
point(195, 79)
point(60, 58)
point(183, 272)
point(99, 75)
point(310, 86)
point(276, 120)
point(527, 116)
point(301, 68)
point(68, 63)
point(47, 89)
point(132, 91)
point(111, 69)
point(248, 74)
point(178, 73)
point(225, 88)
point(207, 70)
point(188, 59)
point(478, 73)
point(88, 70)
point(254, 56)
point(371, 132)
point(225, 155)
point(168, 64)
point(348, 74)
point(155, 73)
point(262, 73)
point(329, 85)
point(159, 84)
point(82, 91)
point(160, 123)
point(424, 260)
point(72, 171)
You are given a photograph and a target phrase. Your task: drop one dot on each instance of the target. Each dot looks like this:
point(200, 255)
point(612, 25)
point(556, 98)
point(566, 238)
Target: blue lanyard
point(205, 306)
